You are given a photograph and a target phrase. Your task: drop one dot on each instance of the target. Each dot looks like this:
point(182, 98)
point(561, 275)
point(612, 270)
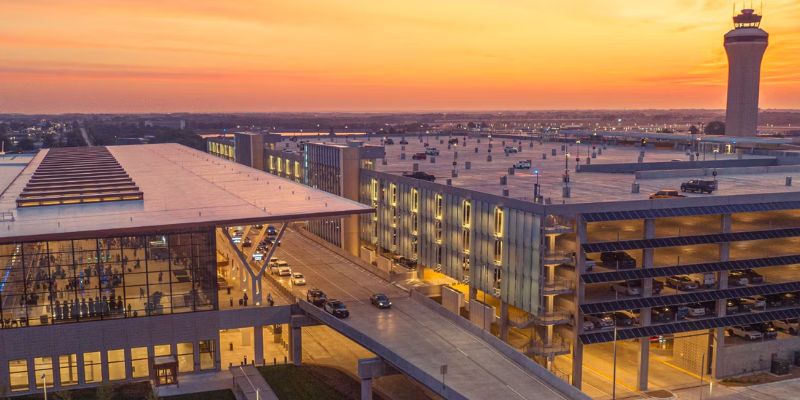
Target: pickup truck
point(420, 175)
point(419, 156)
point(524, 164)
point(666, 194)
point(699, 186)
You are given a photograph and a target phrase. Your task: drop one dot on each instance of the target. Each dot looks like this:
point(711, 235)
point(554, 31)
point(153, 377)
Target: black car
point(662, 314)
point(625, 318)
point(403, 141)
point(336, 308)
point(766, 329)
point(316, 297)
point(453, 141)
point(420, 175)
point(734, 306)
point(271, 231)
point(380, 300)
point(753, 276)
point(247, 242)
point(388, 141)
point(699, 186)
point(617, 259)
point(781, 300)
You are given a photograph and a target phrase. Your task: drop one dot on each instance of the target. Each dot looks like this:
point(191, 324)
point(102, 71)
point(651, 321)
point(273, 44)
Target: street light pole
point(614, 378)
point(44, 380)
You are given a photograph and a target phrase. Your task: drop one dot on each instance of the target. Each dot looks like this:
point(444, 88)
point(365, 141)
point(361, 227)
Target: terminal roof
point(182, 188)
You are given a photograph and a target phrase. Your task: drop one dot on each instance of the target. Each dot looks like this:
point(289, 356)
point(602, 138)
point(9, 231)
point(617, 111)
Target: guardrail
point(431, 382)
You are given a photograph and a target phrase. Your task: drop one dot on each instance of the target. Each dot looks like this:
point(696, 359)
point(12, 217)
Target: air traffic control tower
point(745, 46)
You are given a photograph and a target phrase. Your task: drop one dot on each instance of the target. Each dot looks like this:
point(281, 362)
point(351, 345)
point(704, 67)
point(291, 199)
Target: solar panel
point(689, 240)
point(685, 211)
point(690, 325)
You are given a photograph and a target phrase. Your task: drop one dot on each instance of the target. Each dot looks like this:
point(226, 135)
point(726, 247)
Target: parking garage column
point(718, 334)
point(79, 361)
point(503, 320)
point(258, 344)
point(296, 340)
point(580, 292)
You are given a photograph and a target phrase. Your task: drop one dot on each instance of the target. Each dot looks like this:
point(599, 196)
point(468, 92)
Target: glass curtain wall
point(55, 282)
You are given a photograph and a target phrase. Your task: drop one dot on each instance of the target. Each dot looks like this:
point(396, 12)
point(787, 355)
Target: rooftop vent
point(76, 176)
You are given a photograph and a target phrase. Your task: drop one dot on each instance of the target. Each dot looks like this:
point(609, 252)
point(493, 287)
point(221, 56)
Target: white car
point(524, 164)
point(754, 302)
point(298, 279)
point(695, 310)
point(744, 332)
point(791, 325)
point(280, 268)
point(511, 149)
point(627, 288)
point(588, 325)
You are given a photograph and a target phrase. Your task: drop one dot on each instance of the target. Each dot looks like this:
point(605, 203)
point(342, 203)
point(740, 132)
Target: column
point(81, 375)
point(217, 353)
point(644, 313)
point(580, 289)
point(4, 378)
point(31, 373)
point(128, 360)
point(718, 334)
point(196, 355)
point(104, 364)
point(577, 363)
point(503, 320)
point(258, 344)
point(56, 383)
point(296, 340)
point(366, 388)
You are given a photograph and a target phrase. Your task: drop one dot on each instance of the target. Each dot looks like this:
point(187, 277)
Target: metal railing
point(558, 285)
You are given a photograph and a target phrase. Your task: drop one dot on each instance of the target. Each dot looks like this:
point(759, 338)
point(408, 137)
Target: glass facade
point(114, 277)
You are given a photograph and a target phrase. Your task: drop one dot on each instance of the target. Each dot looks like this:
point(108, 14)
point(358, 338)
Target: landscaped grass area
point(213, 395)
point(309, 382)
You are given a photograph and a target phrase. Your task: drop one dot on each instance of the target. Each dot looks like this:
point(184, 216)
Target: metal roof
point(181, 188)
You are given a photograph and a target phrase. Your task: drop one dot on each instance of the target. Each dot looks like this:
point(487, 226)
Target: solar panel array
point(640, 273)
point(686, 298)
point(78, 175)
point(690, 325)
point(689, 240)
point(687, 211)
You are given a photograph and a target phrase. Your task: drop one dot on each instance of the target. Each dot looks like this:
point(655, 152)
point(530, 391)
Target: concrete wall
point(623, 168)
point(753, 357)
point(452, 300)
point(721, 172)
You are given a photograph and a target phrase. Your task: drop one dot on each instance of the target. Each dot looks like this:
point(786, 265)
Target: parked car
point(510, 150)
point(419, 156)
point(316, 297)
point(753, 277)
point(780, 300)
point(380, 300)
point(298, 279)
point(666, 194)
point(626, 318)
point(388, 141)
point(682, 282)
point(432, 151)
point(790, 326)
point(699, 186)
point(601, 321)
point(662, 314)
point(694, 310)
point(629, 288)
point(767, 330)
point(757, 302)
point(523, 164)
point(737, 278)
point(744, 332)
point(420, 175)
point(588, 325)
point(403, 141)
point(617, 259)
point(452, 141)
point(734, 306)
point(658, 286)
point(336, 308)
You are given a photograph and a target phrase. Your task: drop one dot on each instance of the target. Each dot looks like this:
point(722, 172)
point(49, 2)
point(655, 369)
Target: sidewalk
point(200, 382)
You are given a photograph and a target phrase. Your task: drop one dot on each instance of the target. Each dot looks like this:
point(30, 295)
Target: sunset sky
point(379, 55)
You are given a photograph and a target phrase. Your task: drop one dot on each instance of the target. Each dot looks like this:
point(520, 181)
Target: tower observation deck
point(745, 46)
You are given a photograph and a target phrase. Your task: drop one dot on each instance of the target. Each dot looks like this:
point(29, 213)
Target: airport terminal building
point(110, 260)
point(561, 240)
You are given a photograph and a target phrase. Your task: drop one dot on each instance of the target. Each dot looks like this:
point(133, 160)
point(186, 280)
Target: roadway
point(411, 330)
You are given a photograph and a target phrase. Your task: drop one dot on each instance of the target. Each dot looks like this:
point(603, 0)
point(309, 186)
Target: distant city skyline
point(263, 56)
